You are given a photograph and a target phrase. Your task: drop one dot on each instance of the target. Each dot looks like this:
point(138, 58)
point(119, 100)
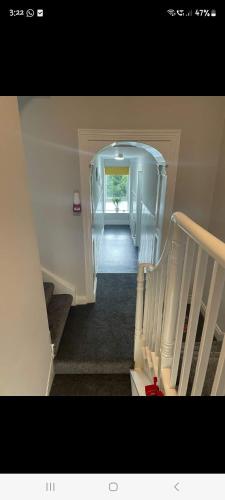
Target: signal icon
point(171, 12)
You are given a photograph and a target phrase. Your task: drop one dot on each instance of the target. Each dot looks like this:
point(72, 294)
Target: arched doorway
point(155, 219)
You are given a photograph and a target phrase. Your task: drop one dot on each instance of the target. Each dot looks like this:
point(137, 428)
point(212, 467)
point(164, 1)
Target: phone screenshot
point(113, 254)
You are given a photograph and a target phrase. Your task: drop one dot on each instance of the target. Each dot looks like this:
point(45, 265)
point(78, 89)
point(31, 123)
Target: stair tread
point(58, 310)
point(92, 367)
point(92, 385)
point(48, 290)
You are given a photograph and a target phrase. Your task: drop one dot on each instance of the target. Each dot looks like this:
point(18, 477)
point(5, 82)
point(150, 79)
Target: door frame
point(90, 141)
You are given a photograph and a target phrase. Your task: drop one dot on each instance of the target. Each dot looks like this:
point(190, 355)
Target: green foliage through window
point(117, 186)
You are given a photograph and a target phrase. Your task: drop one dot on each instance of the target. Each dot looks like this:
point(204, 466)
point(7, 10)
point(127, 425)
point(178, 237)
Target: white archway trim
point(90, 141)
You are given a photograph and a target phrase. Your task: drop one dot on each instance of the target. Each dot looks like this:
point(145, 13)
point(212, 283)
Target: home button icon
point(113, 487)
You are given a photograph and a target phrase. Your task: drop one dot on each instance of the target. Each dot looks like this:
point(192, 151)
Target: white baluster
point(138, 358)
point(185, 285)
point(199, 280)
point(152, 310)
point(163, 272)
point(151, 278)
point(218, 388)
point(155, 313)
point(146, 308)
point(213, 304)
point(175, 263)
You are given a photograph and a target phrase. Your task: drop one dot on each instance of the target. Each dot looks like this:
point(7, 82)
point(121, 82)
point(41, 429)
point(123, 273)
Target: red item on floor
point(153, 390)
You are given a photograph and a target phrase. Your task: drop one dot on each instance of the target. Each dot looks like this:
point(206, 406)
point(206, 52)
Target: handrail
point(161, 306)
point(212, 245)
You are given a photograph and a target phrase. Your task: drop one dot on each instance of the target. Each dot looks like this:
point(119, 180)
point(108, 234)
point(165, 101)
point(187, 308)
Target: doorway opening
point(162, 144)
point(128, 191)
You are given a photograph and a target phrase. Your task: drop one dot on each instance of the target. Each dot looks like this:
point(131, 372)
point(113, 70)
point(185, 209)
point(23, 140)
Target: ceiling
point(128, 152)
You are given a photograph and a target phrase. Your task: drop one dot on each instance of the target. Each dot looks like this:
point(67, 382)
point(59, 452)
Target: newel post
point(138, 356)
point(172, 295)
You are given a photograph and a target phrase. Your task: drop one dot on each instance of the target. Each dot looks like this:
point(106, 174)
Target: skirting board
point(61, 286)
point(81, 299)
point(138, 382)
point(50, 378)
point(116, 219)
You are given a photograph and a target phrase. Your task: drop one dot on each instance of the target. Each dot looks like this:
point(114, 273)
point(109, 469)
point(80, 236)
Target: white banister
point(218, 388)
point(163, 271)
point(173, 284)
point(147, 306)
point(185, 285)
point(162, 296)
point(155, 311)
point(212, 245)
point(213, 304)
point(139, 318)
point(199, 280)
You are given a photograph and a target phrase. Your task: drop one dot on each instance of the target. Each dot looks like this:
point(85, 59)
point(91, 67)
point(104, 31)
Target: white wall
point(133, 198)
point(217, 220)
point(50, 127)
point(25, 350)
point(97, 183)
point(150, 232)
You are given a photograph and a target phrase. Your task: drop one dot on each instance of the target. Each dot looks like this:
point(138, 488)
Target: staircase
point(58, 307)
point(191, 363)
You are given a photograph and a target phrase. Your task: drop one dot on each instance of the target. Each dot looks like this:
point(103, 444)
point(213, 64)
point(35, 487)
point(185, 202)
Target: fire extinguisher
point(76, 203)
point(153, 389)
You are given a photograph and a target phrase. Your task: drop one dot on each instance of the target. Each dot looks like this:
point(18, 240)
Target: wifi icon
point(171, 12)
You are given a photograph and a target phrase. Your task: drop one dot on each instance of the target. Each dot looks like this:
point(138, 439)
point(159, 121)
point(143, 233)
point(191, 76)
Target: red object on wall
point(76, 203)
point(153, 389)
point(76, 208)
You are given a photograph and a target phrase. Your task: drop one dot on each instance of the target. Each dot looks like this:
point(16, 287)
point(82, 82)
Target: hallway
point(118, 255)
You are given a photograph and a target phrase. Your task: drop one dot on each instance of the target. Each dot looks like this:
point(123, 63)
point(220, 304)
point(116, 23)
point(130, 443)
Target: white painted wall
point(50, 126)
point(217, 220)
point(143, 220)
point(133, 198)
point(148, 219)
point(97, 187)
point(25, 350)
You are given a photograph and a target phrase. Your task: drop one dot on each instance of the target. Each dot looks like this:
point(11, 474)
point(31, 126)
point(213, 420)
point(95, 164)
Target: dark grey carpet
point(91, 385)
point(118, 253)
point(211, 369)
point(48, 289)
point(212, 365)
point(99, 338)
point(58, 310)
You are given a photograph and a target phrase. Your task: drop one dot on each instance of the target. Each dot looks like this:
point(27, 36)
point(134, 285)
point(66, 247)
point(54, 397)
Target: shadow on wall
point(23, 100)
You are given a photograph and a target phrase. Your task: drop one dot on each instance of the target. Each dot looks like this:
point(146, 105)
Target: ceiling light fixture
point(119, 156)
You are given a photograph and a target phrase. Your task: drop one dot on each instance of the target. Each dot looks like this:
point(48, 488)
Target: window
point(116, 192)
